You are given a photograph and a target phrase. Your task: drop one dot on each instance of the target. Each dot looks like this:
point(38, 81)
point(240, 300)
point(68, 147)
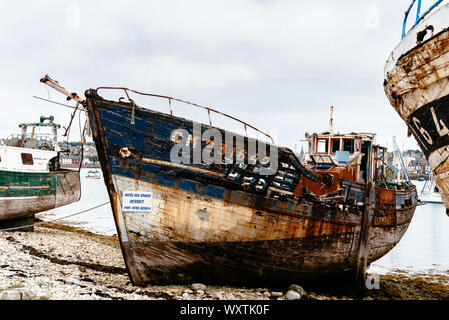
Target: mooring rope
point(62, 218)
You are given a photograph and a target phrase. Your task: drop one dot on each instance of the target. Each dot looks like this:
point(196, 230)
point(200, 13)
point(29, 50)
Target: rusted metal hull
point(24, 194)
point(201, 227)
point(417, 85)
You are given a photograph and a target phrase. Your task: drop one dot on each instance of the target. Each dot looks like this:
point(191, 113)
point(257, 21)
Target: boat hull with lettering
point(417, 85)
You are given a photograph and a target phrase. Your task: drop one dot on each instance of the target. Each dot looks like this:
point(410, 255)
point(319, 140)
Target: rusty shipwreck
point(31, 179)
point(417, 85)
point(235, 219)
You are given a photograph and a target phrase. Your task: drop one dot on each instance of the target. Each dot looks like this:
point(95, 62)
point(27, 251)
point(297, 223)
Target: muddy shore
point(56, 262)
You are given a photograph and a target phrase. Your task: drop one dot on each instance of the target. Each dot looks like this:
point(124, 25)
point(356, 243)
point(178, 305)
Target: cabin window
point(348, 145)
point(322, 146)
point(335, 145)
point(27, 159)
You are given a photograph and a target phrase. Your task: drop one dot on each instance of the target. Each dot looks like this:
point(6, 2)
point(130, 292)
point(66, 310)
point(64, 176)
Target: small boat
point(31, 179)
point(417, 85)
point(238, 214)
point(93, 174)
point(429, 192)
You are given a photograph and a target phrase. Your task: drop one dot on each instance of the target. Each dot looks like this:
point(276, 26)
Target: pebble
point(241, 295)
point(198, 286)
point(230, 296)
point(217, 295)
point(185, 295)
point(277, 294)
point(298, 289)
point(292, 295)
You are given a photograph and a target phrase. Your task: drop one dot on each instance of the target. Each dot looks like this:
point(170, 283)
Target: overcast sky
point(278, 65)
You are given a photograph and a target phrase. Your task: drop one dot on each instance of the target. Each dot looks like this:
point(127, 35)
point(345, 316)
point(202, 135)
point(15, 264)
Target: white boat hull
point(417, 85)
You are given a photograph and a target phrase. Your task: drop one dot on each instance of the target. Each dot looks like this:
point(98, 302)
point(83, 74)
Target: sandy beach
point(56, 262)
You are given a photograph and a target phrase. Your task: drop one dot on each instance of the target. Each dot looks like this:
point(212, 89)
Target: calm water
point(424, 247)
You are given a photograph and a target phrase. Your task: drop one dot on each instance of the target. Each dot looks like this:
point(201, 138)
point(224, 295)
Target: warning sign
point(137, 201)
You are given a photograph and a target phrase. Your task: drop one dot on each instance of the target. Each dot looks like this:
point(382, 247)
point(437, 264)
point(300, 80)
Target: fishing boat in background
point(31, 179)
point(238, 218)
point(417, 85)
point(429, 191)
point(93, 174)
point(399, 166)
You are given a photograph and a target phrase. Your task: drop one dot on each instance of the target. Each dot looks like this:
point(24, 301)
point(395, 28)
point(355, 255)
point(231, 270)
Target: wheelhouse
point(357, 150)
point(34, 150)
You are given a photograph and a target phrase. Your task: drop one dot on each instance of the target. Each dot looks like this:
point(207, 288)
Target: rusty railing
point(170, 99)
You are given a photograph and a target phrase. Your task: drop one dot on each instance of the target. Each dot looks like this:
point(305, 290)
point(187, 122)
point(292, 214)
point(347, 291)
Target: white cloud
point(275, 64)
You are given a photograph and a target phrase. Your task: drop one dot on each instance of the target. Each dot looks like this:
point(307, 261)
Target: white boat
point(429, 191)
point(417, 85)
point(93, 174)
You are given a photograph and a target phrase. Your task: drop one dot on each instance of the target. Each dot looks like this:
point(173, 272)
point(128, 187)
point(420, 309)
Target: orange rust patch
point(319, 188)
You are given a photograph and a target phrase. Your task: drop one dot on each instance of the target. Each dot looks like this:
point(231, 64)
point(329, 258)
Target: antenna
point(331, 120)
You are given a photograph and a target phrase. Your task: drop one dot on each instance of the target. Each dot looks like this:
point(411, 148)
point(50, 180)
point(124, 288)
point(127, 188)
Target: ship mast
point(331, 121)
point(404, 168)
